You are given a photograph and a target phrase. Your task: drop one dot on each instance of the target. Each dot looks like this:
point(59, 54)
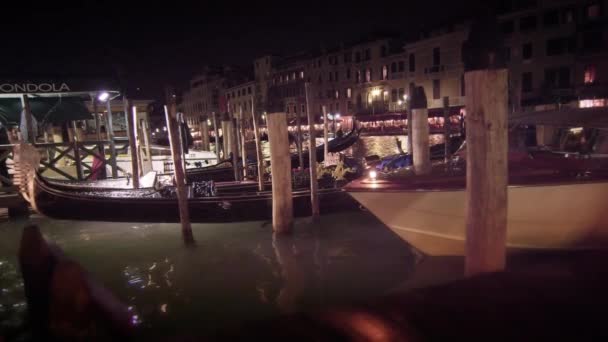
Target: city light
point(165, 128)
point(405, 97)
point(337, 116)
point(373, 174)
point(209, 122)
point(157, 130)
point(400, 102)
point(376, 92)
point(103, 96)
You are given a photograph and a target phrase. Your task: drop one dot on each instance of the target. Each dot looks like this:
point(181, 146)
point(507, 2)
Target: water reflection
point(237, 272)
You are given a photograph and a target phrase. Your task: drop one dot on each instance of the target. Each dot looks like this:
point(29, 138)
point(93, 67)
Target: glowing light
point(103, 96)
point(165, 128)
point(208, 121)
point(337, 116)
point(373, 174)
point(157, 130)
point(405, 97)
point(376, 92)
point(400, 102)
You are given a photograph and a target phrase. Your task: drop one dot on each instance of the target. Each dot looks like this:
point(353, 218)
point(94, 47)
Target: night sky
point(150, 45)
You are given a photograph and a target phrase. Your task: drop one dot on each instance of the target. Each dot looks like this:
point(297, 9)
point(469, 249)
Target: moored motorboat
point(556, 199)
point(547, 209)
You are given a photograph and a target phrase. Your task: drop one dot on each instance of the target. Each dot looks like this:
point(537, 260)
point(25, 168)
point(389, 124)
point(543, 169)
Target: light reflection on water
point(237, 272)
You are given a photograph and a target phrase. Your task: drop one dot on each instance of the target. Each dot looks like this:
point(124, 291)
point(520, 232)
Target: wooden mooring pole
point(420, 132)
point(410, 144)
point(486, 82)
point(132, 132)
point(258, 147)
point(299, 137)
point(29, 124)
point(312, 160)
point(280, 163)
point(179, 172)
point(217, 137)
point(110, 133)
point(243, 147)
point(234, 147)
point(446, 128)
point(325, 137)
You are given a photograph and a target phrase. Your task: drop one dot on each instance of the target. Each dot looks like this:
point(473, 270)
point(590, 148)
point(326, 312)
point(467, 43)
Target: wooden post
point(132, 133)
point(487, 175)
point(325, 138)
point(446, 128)
point(410, 144)
point(97, 123)
point(243, 147)
point(179, 173)
point(110, 132)
point(312, 160)
point(226, 139)
point(486, 82)
point(29, 125)
point(280, 163)
point(217, 138)
point(258, 147)
point(234, 148)
point(145, 128)
point(299, 138)
point(420, 133)
point(78, 161)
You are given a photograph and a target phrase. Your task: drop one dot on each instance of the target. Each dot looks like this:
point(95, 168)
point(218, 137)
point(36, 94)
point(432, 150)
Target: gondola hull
point(149, 206)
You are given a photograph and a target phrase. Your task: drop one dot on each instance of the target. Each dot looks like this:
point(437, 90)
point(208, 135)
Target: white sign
point(331, 159)
point(33, 87)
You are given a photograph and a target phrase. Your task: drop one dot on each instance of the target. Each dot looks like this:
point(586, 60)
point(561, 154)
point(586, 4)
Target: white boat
point(430, 215)
point(555, 201)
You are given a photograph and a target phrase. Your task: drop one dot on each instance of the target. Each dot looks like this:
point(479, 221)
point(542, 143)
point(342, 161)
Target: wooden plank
point(280, 163)
point(487, 175)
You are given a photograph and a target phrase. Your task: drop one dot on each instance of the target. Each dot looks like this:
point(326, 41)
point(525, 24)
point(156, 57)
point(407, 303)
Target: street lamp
point(103, 96)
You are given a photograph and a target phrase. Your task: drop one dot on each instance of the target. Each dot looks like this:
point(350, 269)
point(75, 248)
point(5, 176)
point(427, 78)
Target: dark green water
point(237, 272)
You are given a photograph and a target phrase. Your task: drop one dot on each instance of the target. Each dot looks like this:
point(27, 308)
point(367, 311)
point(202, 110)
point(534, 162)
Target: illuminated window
point(592, 11)
point(358, 78)
point(337, 94)
point(368, 75)
point(293, 76)
point(589, 74)
point(385, 72)
point(302, 74)
point(349, 93)
point(593, 103)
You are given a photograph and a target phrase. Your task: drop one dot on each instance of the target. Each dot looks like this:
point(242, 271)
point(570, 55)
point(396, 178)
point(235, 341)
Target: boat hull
point(149, 206)
point(563, 216)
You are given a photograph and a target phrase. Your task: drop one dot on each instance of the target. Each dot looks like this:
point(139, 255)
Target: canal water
point(237, 272)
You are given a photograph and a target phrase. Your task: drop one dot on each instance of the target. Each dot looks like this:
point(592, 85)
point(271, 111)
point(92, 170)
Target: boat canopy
point(45, 109)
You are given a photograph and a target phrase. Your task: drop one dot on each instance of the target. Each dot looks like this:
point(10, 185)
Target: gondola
point(160, 205)
point(333, 146)
point(223, 171)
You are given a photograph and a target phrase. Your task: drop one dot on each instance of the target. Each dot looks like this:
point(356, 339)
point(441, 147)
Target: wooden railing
point(75, 157)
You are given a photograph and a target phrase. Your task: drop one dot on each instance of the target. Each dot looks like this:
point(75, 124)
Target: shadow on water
point(236, 272)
